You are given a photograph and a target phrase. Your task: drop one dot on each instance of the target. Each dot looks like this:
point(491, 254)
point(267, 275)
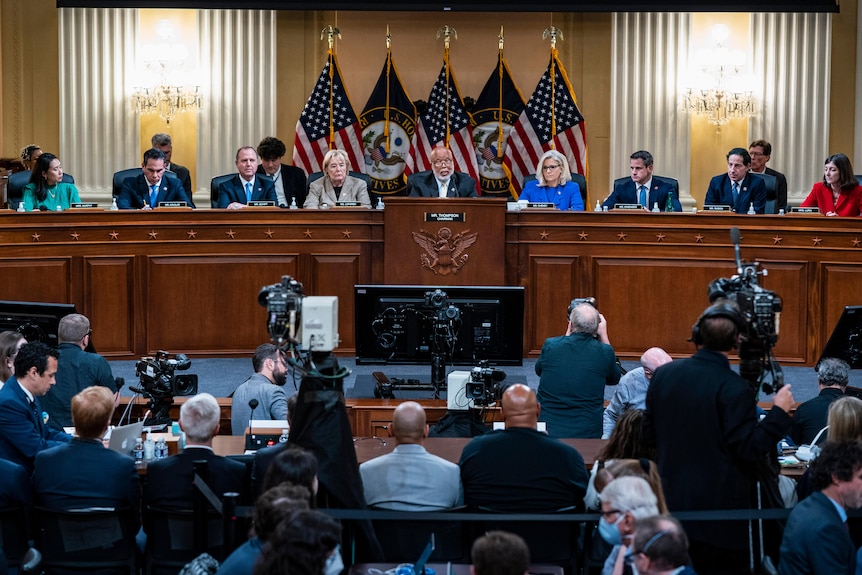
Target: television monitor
point(846, 339)
point(36, 321)
point(410, 324)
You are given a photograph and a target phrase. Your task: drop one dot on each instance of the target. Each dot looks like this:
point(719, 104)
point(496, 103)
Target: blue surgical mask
point(609, 531)
point(334, 564)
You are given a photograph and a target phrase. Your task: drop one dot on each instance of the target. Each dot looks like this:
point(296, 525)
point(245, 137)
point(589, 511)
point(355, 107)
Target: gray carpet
point(221, 376)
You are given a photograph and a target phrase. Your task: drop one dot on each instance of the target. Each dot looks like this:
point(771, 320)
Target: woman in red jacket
point(839, 194)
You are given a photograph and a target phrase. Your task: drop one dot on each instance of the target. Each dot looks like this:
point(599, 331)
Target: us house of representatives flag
point(327, 121)
point(495, 113)
point(551, 120)
point(388, 126)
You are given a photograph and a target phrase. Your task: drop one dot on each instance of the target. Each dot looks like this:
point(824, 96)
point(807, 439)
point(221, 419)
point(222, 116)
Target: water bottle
point(59, 208)
point(380, 205)
point(750, 209)
point(283, 438)
point(138, 450)
point(149, 449)
point(114, 206)
point(161, 449)
point(655, 209)
point(668, 204)
point(293, 205)
point(598, 207)
point(20, 209)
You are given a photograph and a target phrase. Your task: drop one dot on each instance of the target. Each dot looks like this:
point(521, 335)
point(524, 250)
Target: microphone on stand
point(735, 237)
point(250, 441)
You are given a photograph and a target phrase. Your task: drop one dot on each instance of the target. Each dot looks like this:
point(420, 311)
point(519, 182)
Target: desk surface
point(445, 569)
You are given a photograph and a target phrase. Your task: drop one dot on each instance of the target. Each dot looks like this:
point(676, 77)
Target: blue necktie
point(735, 191)
point(247, 192)
point(154, 195)
point(642, 198)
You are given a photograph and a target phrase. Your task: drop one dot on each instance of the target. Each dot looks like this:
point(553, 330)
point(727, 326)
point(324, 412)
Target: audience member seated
point(10, 343)
point(553, 184)
point(163, 142)
point(15, 488)
point(833, 374)
point(409, 478)
point(520, 468)
point(47, 191)
point(76, 370)
point(641, 467)
point(289, 180)
point(337, 185)
point(660, 547)
point(737, 188)
point(631, 391)
point(441, 181)
point(29, 155)
point(574, 370)
point(169, 482)
point(499, 553)
point(269, 510)
point(292, 465)
point(83, 473)
point(23, 429)
point(304, 543)
point(624, 501)
point(147, 190)
point(238, 191)
point(839, 194)
point(760, 152)
point(266, 387)
point(642, 188)
point(817, 539)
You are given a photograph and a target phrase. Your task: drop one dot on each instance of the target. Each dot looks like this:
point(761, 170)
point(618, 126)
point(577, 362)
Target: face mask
point(334, 564)
point(609, 531)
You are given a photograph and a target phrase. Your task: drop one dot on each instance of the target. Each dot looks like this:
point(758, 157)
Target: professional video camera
point(159, 382)
point(484, 386)
point(297, 321)
point(761, 309)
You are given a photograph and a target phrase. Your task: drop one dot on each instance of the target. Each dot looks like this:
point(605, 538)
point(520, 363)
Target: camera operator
point(712, 450)
point(266, 386)
point(573, 370)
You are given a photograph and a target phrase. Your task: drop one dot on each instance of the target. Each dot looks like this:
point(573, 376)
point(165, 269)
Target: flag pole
point(331, 33)
point(553, 33)
point(388, 70)
point(500, 42)
point(447, 32)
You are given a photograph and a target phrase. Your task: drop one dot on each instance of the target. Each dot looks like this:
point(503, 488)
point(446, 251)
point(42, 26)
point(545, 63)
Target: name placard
point(77, 205)
point(261, 204)
point(808, 210)
point(177, 204)
point(347, 204)
point(445, 217)
point(541, 205)
point(628, 207)
point(714, 208)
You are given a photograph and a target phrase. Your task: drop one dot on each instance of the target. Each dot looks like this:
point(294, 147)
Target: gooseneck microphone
point(252, 403)
point(734, 237)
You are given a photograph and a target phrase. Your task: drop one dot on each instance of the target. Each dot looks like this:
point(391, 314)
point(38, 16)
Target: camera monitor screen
point(36, 321)
point(846, 339)
point(466, 324)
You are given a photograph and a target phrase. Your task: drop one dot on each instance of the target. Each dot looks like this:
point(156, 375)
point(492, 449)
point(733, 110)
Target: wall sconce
point(163, 91)
point(718, 89)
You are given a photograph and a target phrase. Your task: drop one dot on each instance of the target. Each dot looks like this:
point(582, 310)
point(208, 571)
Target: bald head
point(655, 357)
point(408, 423)
point(584, 319)
point(519, 406)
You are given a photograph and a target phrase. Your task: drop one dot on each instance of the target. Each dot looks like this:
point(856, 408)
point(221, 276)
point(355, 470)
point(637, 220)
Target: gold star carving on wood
point(307, 233)
point(776, 240)
point(622, 236)
point(583, 236)
point(817, 241)
point(153, 234)
point(856, 242)
point(698, 239)
point(36, 236)
point(230, 233)
point(346, 234)
point(269, 233)
point(544, 235)
point(192, 234)
point(114, 235)
point(660, 237)
point(75, 236)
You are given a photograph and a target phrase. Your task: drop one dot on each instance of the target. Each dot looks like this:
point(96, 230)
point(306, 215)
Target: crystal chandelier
point(720, 91)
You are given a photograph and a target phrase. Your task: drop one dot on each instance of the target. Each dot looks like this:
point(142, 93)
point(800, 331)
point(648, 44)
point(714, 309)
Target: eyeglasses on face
point(549, 168)
point(444, 162)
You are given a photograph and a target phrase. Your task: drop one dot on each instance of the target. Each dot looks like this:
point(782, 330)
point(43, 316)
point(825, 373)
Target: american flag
point(538, 129)
point(313, 136)
point(431, 129)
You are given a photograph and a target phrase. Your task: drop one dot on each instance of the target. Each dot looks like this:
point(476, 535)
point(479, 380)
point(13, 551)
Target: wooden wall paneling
point(208, 304)
point(108, 284)
point(841, 286)
point(336, 274)
point(46, 279)
point(553, 280)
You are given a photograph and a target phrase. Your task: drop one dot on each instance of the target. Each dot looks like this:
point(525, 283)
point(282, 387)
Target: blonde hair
point(566, 174)
point(845, 419)
point(333, 154)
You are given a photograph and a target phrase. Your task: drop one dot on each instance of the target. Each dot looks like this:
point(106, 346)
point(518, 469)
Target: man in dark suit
point(163, 142)
point(170, 482)
point(833, 375)
point(660, 547)
point(83, 473)
point(737, 188)
point(816, 539)
point(24, 429)
point(289, 181)
point(235, 193)
point(702, 418)
point(14, 485)
point(441, 181)
point(642, 188)
point(760, 152)
point(145, 191)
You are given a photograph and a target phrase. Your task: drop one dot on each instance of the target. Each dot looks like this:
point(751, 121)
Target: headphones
point(722, 308)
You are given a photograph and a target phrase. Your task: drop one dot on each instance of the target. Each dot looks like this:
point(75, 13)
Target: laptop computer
point(122, 438)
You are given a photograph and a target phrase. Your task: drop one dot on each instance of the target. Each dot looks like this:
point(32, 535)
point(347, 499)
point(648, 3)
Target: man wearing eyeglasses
point(631, 391)
point(660, 547)
point(761, 152)
point(77, 370)
point(441, 181)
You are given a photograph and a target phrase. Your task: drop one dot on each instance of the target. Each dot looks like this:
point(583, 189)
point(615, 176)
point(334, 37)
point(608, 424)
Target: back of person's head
point(10, 341)
point(833, 372)
point(641, 467)
point(291, 406)
point(718, 326)
point(408, 422)
point(293, 465)
point(499, 553)
point(33, 354)
point(584, 319)
point(275, 504)
point(627, 439)
point(631, 494)
point(838, 460)
point(300, 545)
point(199, 417)
point(92, 409)
point(662, 539)
point(72, 328)
point(845, 419)
point(519, 406)
point(264, 352)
